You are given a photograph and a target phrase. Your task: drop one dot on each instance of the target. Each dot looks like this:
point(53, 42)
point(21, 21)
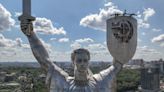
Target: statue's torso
point(61, 85)
point(59, 81)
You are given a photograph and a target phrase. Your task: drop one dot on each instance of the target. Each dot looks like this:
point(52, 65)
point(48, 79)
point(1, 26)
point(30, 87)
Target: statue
point(121, 35)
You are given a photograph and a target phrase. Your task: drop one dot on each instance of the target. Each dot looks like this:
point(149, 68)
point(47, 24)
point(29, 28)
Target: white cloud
point(17, 14)
point(53, 39)
point(6, 22)
point(147, 53)
point(146, 49)
point(7, 53)
point(63, 40)
point(98, 21)
point(12, 49)
point(5, 42)
point(45, 26)
point(75, 45)
point(60, 56)
point(16, 54)
point(105, 43)
point(144, 17)
point(143, 24)
point(96, 47)
point(99, 52)
point(84, 40)
point(139, 15)
point(108, 4)
point(80, 42)
point(19, 43)
point(159, 38)
point(156, 30)
point(148, 13)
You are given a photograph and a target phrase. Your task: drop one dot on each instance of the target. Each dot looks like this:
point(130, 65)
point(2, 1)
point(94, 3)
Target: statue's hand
point(26, 27)
point(120, 61)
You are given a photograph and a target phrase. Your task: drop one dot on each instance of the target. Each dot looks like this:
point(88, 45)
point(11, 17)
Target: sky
point(65, 25)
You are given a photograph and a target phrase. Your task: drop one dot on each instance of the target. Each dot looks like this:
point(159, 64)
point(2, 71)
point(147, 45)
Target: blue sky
point(65, 25)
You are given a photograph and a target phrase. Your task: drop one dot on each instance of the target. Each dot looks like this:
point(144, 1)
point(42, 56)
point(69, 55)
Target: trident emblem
point(122, 37)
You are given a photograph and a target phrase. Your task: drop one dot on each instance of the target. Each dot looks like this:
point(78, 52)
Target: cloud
point(6, 22)
point(80, 42)
point(144, 17)
point(89, 44)
point(19, 43)
point(146, 49)
point(159, 39)
point(156, 30)
point(7, 53)
point(52, 39)
point(5, 42)
point(96, 47)
point(75, 45)
point(148, 13)
point(45, 26)
point(99, 52)
point(84, 40)
point(63, 40)
point(147, 53)
point(98, 21)
point(17, 14)
point(143, 24)
point(12, 49)
point(16, 54)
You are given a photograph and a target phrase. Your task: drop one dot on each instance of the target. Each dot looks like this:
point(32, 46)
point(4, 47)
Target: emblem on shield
point(122, 37)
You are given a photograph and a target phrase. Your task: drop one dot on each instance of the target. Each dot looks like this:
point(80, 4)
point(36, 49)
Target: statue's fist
point(26, 27)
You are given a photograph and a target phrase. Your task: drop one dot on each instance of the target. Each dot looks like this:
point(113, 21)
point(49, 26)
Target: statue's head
point(80, 58)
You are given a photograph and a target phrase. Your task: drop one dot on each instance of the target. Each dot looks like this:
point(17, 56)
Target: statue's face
point(81, 62)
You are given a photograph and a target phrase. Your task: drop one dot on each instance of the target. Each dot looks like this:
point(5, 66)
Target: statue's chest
point(58, 85)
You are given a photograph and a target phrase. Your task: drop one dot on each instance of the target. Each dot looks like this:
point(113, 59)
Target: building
point(2, 76)
point(150, 79)
point(139, 62)
point(160, 64)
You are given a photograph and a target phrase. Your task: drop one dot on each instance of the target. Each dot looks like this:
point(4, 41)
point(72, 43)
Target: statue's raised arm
point(37, 47)
point(53, 72)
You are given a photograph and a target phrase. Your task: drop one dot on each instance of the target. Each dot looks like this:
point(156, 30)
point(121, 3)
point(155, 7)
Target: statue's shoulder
point(97, 77)
point(56, 71)
point(56, 76)
point(105, 74)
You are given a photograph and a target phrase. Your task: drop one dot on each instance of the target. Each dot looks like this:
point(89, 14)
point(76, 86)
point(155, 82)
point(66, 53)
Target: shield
point(122, 37)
